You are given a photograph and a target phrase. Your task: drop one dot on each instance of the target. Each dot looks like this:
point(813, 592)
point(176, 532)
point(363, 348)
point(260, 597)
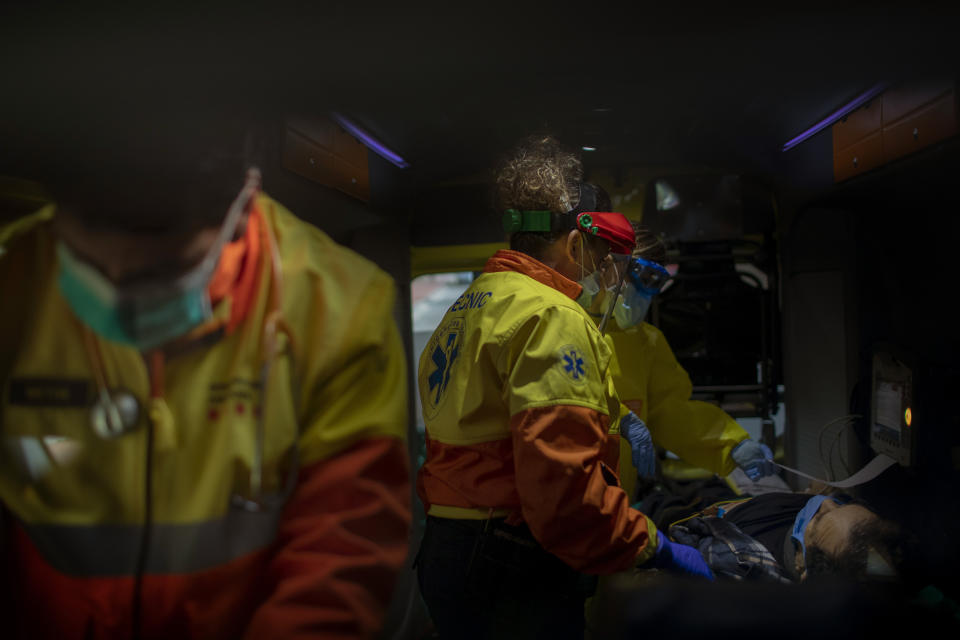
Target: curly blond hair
point(539, 173)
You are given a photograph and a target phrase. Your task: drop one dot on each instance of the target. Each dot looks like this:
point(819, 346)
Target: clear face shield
point(615, 268)
point(644, 280)
point(648, 276)
point(622, 287)
point(602, 281)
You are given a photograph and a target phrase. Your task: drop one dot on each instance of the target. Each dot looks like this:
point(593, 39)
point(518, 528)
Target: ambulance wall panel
point(819, 337)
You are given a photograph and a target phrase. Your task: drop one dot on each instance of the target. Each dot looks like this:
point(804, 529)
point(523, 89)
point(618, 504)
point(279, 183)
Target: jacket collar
point(233, 287)
point(237, 276)
point(509, 260)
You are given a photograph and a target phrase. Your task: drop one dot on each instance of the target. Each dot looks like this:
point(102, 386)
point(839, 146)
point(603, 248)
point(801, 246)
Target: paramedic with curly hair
point(522, 422)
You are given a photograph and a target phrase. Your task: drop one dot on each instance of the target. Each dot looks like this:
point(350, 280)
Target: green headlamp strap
point(515, 221)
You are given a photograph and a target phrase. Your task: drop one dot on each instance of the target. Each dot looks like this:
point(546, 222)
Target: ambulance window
point(430, 297)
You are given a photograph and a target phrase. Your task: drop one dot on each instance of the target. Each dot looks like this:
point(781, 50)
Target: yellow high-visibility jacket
point(652, 384)
point(323, 550)
point(522, 419)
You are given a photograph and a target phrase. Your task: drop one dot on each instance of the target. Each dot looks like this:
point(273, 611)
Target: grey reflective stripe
point(111, 550)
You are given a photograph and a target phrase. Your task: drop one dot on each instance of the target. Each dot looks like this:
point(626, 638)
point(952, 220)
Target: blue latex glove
point(754, 458)
point(641, 444)
point(680, 558)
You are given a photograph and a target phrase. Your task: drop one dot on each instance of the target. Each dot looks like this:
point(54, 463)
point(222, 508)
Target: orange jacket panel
point(570, 496)
point(342, 540)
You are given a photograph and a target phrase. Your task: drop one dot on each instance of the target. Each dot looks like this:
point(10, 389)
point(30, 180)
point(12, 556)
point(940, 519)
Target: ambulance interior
point(802, 170)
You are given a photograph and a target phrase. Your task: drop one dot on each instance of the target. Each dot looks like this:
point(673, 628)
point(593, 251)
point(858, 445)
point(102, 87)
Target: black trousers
point(484, 579)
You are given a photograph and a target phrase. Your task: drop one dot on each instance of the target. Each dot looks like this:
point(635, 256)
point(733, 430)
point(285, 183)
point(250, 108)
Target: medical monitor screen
point(892, 429)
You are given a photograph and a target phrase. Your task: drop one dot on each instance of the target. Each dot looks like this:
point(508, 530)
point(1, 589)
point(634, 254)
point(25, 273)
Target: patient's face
point(830, 528)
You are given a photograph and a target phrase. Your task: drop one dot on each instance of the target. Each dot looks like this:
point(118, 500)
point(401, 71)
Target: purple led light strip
point(854, 104)
point(370, 142)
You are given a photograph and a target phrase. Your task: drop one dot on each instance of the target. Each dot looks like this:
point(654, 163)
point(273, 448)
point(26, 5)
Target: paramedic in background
point(204, 400)
point(522, 422)
point(653, 385)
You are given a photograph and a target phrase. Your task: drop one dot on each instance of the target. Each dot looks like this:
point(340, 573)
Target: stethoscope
point(274, 324)
point(116, 412)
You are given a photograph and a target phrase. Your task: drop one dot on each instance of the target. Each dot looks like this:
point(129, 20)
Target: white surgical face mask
point(601, 290)
point(592, 291)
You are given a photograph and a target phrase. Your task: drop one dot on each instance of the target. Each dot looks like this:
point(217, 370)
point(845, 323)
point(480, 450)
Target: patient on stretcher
point(781, 536)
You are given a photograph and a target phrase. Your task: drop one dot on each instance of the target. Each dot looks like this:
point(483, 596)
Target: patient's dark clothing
point(769, 519)
point(671, 500)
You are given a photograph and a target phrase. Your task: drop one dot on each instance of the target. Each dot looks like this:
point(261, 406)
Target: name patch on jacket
point(471, 300)
point(49, 392)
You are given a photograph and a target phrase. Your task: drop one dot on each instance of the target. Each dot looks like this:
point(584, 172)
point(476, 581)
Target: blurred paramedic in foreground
point(653, 385)
point(204, 407)
point(522, 422)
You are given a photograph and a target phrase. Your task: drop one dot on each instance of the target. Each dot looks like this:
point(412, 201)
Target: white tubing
point(869, 471)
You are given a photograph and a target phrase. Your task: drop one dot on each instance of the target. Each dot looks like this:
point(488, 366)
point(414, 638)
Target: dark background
point(671, 87)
